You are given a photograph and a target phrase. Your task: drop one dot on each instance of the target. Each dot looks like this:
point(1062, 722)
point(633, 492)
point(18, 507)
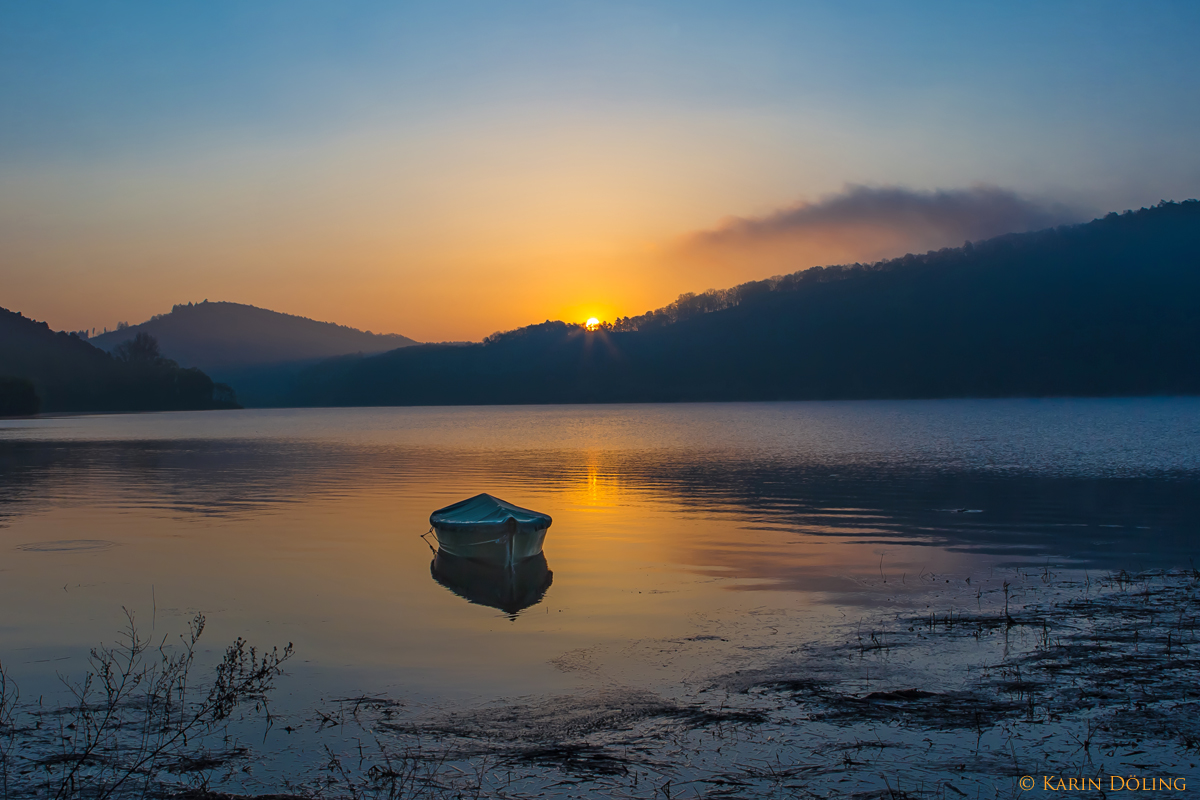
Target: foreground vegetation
point(136, 723)
point(1029, 674)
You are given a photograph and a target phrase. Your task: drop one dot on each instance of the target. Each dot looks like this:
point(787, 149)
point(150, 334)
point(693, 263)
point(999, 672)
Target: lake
point(704, 523)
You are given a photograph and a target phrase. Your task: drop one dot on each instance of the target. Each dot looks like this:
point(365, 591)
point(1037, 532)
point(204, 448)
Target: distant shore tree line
point(1103, 308)
point(46, 371)
point(18, 398)
point(690, 304)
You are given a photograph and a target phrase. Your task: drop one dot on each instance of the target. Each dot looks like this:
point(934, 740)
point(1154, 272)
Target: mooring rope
point(432, 549)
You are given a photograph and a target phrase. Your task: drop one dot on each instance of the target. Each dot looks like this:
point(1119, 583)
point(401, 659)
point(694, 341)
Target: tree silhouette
point(17, 397)
point(141, 349)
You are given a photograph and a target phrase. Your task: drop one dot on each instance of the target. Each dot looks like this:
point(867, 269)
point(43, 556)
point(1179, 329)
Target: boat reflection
point(511, 589)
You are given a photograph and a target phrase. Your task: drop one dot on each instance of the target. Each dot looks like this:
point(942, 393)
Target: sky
point(448, 169)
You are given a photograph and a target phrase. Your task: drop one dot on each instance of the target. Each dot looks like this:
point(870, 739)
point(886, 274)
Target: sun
point(592, 324)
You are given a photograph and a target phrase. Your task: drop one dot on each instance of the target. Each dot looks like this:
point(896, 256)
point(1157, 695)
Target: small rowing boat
point(488, 529)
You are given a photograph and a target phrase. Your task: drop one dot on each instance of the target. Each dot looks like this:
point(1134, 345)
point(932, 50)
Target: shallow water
point(671, 523)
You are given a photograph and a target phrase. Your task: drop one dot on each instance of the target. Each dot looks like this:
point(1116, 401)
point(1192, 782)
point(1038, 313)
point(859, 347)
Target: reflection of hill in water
point(511, 590)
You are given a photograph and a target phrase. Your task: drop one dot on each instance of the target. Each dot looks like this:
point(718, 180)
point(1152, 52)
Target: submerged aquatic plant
point(136, 717)
point(1052, 676)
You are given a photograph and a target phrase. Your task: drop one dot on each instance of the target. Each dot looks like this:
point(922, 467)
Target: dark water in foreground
point(670, 522)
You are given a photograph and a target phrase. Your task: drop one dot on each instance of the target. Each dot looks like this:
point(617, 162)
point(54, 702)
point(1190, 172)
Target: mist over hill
point(1109, 307)
point(48, 371)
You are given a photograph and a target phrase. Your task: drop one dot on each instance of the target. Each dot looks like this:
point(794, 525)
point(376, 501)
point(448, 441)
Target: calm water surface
point(671, 523)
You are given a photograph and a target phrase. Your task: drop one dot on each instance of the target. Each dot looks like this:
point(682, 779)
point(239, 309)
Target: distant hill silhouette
point(258, 351)
point(230, 335)
point(66, 373)
point(1110, 307)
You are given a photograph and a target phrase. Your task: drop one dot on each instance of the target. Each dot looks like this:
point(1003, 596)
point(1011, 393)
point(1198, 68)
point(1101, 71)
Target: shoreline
point(1049, 677)
point(1046, 676)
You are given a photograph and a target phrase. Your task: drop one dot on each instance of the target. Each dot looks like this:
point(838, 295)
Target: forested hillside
point(65, 373)
point(1110, 307)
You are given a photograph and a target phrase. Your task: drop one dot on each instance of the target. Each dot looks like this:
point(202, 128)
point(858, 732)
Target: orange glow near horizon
point(447, 174)
point(435, 233)
point(450, 237)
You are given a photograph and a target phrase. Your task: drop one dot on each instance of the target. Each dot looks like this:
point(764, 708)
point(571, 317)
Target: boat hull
point(505, 549)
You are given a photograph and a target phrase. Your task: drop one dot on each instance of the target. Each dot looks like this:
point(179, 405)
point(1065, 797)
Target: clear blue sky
point(372, 163)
